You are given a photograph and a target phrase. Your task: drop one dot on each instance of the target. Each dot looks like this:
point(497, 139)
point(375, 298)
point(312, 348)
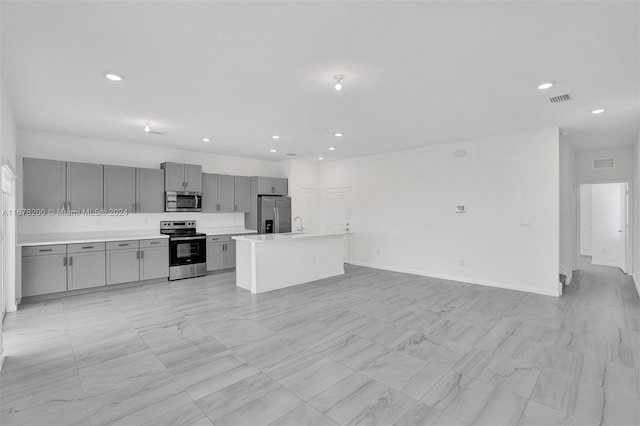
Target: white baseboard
point(554, 292)
point(635, 281)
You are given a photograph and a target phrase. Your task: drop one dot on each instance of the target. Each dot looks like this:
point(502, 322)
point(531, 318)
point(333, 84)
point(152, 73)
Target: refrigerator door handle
point(277, 221)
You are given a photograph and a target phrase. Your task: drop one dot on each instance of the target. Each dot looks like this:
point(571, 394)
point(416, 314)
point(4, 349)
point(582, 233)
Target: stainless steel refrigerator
point(274, 214)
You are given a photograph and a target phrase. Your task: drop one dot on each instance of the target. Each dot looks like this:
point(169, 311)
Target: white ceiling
point(417, 73)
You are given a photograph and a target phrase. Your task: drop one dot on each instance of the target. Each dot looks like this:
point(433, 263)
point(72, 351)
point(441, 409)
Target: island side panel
point(244, 264)
point(280, 264)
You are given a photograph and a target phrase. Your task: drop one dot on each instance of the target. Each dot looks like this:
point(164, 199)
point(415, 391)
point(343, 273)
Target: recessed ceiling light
point(147, 129)
point(320, 158)
point(332, 148)
point(597, 111)
point(113, 76)
point(273, 150)
point(206, 140)
point(338, 135)
point(545, 86)
point(275, 137)
point(338, 78)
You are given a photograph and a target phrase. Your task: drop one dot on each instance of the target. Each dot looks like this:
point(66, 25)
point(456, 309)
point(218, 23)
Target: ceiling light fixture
point(332, 148)
point(275, 137)
point(338, 135)
point(545, 86)
point(597, 111)
point(320, 158)
point(114, 76)
point(273, 150)
point(206, 140)
point(338, 78)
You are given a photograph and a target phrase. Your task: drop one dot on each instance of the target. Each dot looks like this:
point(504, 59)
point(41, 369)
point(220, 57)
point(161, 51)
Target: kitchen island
point(272, 261)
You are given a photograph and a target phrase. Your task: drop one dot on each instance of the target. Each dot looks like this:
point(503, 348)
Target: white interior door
point(339, 213)
point(609, 227)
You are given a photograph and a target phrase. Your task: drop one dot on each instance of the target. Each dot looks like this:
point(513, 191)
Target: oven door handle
point(203, 237)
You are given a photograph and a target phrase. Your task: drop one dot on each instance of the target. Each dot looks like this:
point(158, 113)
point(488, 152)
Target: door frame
point(629, 237)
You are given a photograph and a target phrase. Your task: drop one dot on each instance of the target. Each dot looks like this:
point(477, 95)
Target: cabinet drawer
point(156, 242)
point(44, 250)
point(122, 245)
point(83, 247)
point(218, 238)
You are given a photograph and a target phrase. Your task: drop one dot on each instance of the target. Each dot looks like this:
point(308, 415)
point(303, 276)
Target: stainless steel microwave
point(183, 201)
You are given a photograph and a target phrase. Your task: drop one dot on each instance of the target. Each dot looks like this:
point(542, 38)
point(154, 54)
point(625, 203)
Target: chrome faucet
point(299, 229)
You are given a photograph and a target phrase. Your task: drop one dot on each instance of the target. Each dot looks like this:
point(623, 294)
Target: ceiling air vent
point(604, 163)
point(560, 98)
point(291, 154)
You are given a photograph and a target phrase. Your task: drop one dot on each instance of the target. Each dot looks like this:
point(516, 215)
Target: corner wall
point(568, 211)
point(404, 210)
point(636, 221)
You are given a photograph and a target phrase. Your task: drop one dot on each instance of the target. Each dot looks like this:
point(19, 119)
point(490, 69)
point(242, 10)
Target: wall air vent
point(604, 163)
point(560, 98)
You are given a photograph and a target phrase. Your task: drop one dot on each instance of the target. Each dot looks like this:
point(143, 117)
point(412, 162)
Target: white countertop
point(85, 237)
point(286, 237)
point(226, 231)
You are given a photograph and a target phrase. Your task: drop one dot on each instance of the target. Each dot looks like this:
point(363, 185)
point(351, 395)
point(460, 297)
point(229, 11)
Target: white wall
point(608, 243)
point(585, 219)
point(8, 154)
point(568, 213)
point(636, 216)
point(403, 207)
point(304, 189)
point(624, 165)
point(56, 146)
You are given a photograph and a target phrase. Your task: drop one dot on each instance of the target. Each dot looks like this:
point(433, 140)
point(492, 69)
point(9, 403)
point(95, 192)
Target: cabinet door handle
point(69, 205)
point(273, 189)
point(155, 242)
point(137, 255)
point(70, 260)
point(141, 254)
point(41, 250)
point(123, 245)
point(224, 247)
point(64, 261)
point(235, 207)
point(217, 207)
point(86, 247)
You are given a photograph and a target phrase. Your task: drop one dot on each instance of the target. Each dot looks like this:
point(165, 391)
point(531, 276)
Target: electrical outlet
point(378, 252)
point(461, 262)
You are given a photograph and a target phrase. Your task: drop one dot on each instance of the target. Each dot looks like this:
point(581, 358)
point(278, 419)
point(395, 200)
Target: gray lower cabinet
point(221, 252)
point(84, 186)
point(44, 270)
point(215, 256)
point(86, 265)
point(123, 262)
point(149, 190)
point(120, 188)
point(154, 259)
point(44, 184)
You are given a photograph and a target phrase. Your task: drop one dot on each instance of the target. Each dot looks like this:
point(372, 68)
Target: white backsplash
point(135, 221)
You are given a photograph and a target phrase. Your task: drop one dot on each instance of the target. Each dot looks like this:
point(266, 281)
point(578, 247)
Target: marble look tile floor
point(371, 347)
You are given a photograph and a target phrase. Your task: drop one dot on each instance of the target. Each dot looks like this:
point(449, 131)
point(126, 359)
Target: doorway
point(338, 215)
point(604, 231)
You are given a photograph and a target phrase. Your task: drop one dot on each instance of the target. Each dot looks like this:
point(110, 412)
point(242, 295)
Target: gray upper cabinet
point(242, 194)
point(210, 201)
point(281, 186)
point(173, 176)
point(120, 188)
point(182, 177)
point(272, 186)
point(84, 186)
point(44, 184)
point(226, 193)
point(193, 177)
point(150, 190)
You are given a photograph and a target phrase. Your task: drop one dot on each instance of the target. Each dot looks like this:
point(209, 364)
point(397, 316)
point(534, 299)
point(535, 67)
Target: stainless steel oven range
point(187, 249)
